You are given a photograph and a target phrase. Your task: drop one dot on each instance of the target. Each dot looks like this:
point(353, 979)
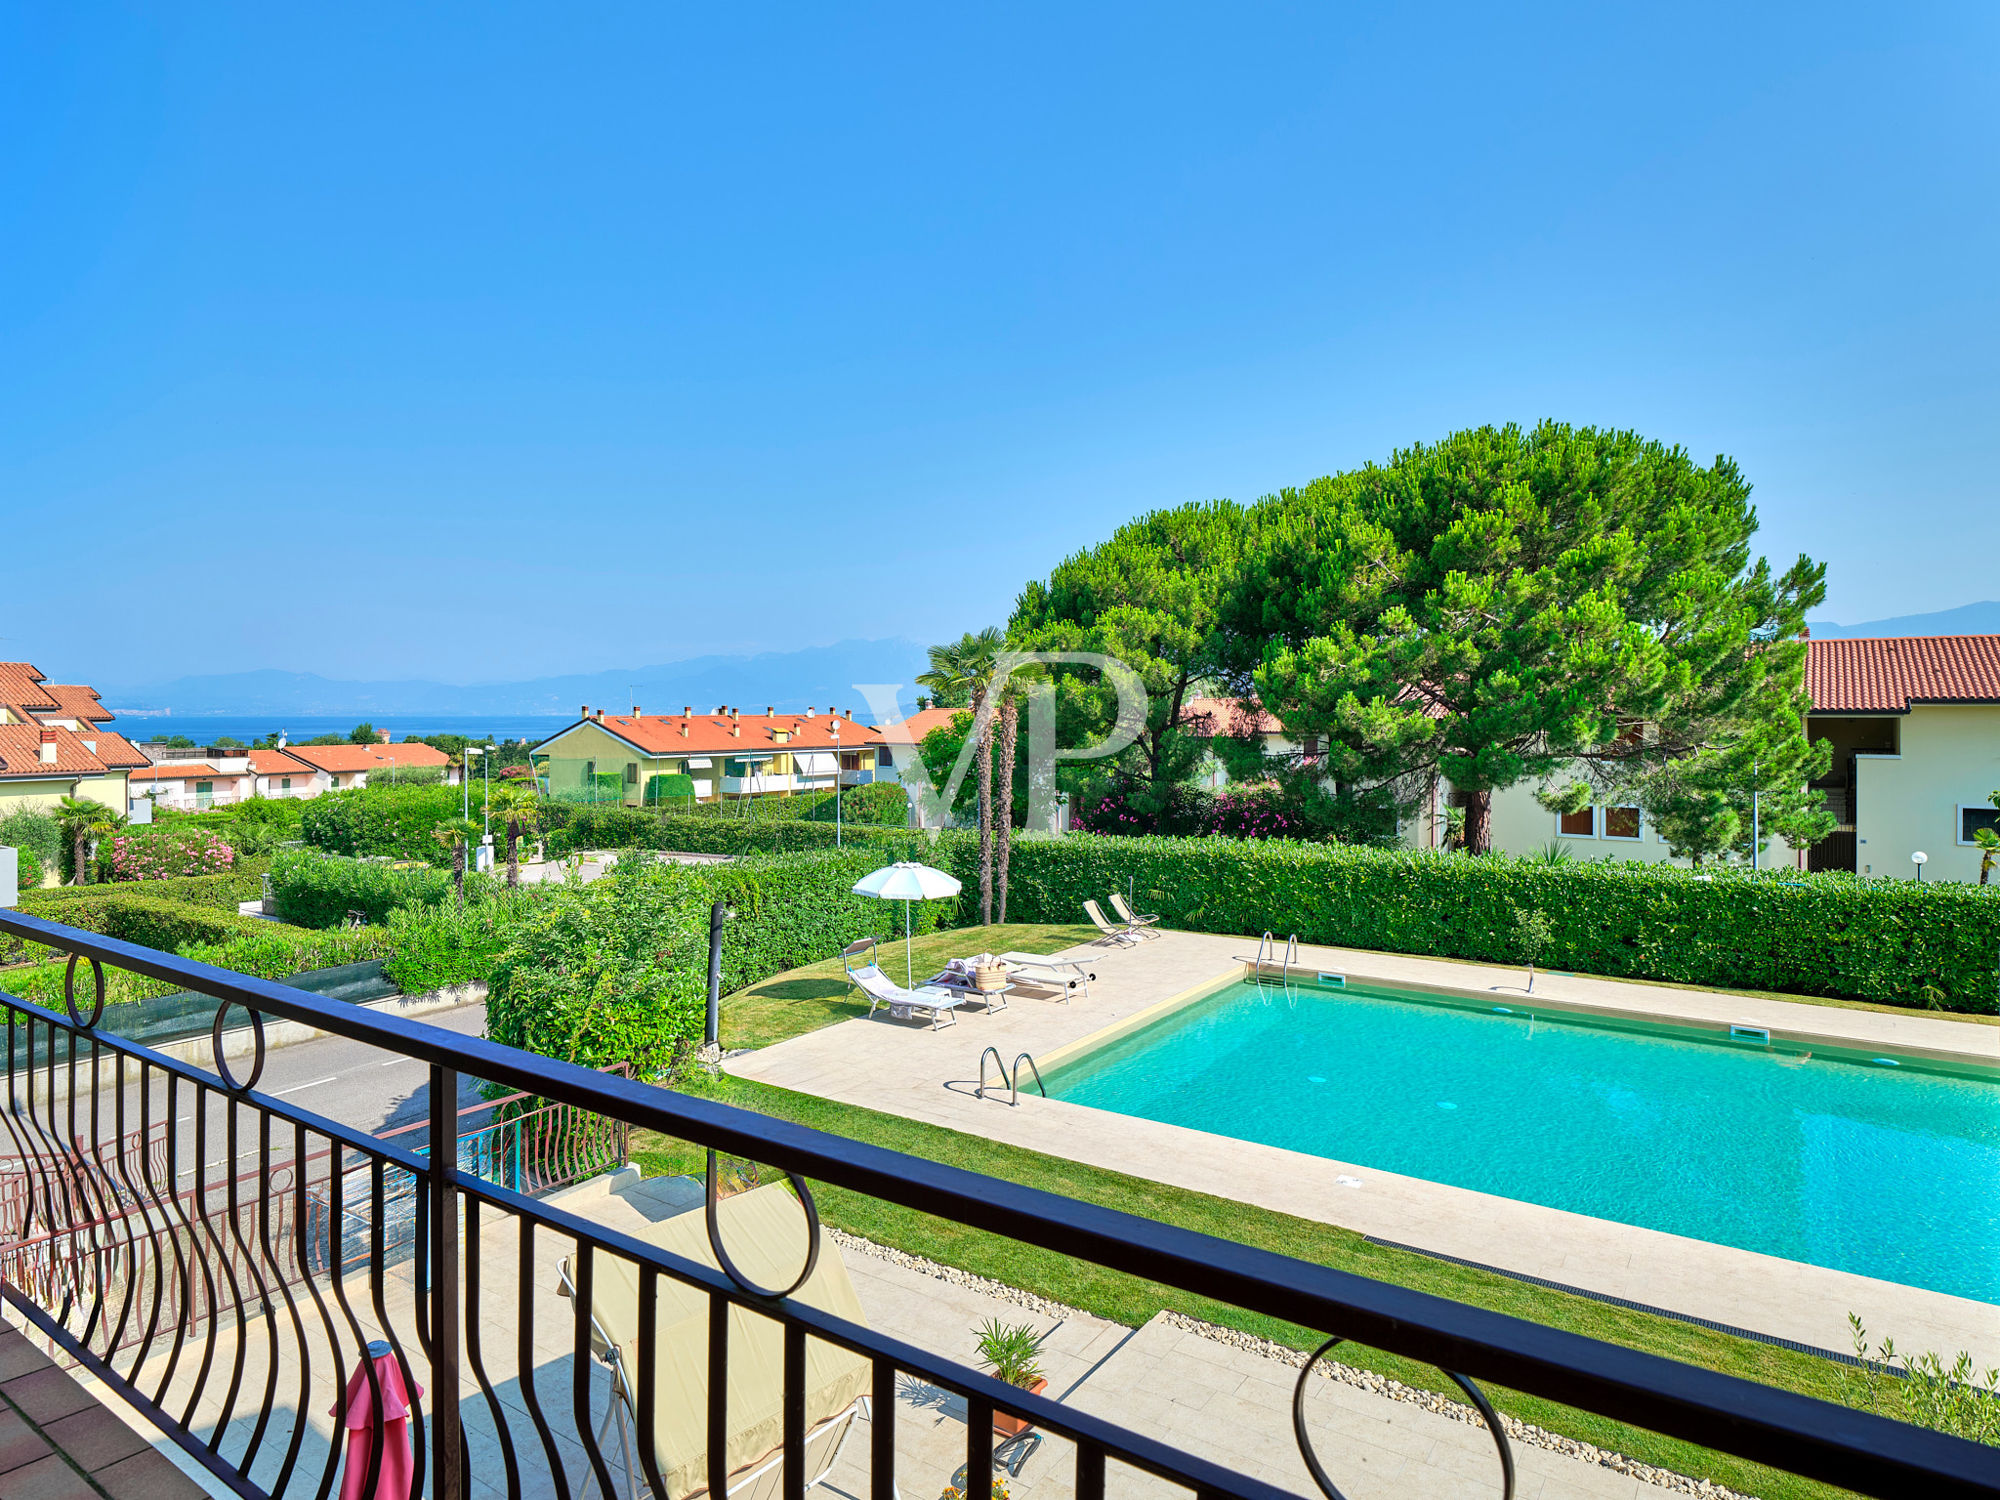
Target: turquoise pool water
point(1888, 1169)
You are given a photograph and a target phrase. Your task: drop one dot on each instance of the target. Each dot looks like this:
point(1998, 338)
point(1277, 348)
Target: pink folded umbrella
point(392, 1430)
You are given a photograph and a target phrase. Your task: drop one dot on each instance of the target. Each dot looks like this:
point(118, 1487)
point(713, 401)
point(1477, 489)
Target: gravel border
point(1367, 1380)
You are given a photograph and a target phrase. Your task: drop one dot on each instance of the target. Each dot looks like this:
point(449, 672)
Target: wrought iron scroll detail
point(1472, 1392)
point(729, 1267)
point(69, 992)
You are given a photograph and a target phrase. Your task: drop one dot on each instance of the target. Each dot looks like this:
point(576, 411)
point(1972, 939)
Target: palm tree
point(83, 822)
point(962, 671)
point(1007, 728)
point(517, 804)
point(458, 833)
point(1988, 840)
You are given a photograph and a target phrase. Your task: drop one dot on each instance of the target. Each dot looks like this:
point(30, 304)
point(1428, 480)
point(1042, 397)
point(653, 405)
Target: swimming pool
point(1888, 1168)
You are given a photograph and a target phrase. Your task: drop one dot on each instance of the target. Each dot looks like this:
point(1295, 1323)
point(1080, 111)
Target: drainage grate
point(1644, 1307)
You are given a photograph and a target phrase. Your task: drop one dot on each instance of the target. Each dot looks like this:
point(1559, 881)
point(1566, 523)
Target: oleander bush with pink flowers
point(167, 851)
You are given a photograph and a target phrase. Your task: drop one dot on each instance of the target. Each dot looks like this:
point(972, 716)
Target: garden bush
point(33, 833)
point(437, 945)
point(617, 971)
point(397, 821)
point(1891, 941)
point(159, 851)
point(275, 951)
point(225, 892)
point(253, 827)
point(319, 890)
point(574, 828)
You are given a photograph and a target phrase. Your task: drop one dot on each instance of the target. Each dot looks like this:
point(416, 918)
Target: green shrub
point(435, 946)
point(610, 972)
point(882, 804)
point(396, 821)
point(33, 833)
point(278, 952)
point(1882, 940)
point(319, 890)
point(157, 922)
point(617, 971)
point(251, 828)
point(242, 882)
point(574, 828)
point(165, 851)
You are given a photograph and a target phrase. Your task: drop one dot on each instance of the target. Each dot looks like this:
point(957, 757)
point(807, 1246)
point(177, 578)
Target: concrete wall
point(1949, 756)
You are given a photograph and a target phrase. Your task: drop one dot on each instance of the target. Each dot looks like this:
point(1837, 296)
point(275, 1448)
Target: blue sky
point(481, 342)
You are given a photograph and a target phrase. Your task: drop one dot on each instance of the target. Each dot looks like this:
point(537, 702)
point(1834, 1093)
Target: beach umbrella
point(906, 881)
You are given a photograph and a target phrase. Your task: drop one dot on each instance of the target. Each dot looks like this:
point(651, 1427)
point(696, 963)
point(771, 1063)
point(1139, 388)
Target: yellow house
point(727, 755)
point(53, 744)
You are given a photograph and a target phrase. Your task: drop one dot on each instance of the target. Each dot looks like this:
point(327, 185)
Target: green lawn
point(801, 1000)
point(1131, 1300)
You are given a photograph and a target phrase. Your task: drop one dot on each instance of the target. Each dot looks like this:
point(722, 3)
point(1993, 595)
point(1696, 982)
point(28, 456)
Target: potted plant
point(1009, 1350)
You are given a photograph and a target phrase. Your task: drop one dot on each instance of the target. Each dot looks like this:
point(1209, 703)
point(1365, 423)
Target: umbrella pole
point(909, 975)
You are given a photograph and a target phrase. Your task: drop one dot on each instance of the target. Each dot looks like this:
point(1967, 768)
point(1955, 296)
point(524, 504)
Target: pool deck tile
point(909, 1070)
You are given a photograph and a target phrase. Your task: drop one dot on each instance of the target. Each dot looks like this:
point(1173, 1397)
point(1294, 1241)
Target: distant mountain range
point(1967, 619)
point(820, 676)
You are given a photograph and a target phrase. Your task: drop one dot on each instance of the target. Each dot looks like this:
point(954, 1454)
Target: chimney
point(382, 735)
point(584, 712)
point(687, 711)
point(684, 727)
point(48, 747)
point(770, 711)
point(635, 712)
point(735, 728)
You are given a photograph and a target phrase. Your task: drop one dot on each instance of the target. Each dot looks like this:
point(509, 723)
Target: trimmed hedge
point(225, 892)
point(805, 910)
point(1894, 942)
point(155, 921)
point(319, 890)
point(577, 828)
point(397, 821)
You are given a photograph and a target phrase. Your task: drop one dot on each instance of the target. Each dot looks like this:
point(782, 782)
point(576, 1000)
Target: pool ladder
point(1013, 1082)
point(1267, 967)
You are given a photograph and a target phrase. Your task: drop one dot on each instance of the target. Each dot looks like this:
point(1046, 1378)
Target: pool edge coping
point(1116, 1030)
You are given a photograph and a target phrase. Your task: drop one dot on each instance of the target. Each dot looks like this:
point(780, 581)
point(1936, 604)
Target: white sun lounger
point(1122, 937)
point(1065, 974)
point(764, 1230)
point(881, 990)
point(1132, 919)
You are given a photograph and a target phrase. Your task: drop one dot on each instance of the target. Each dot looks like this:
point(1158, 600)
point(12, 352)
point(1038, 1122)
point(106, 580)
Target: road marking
point(301, 1087)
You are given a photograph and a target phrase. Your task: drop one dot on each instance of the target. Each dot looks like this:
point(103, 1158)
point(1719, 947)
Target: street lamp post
point(465, 780)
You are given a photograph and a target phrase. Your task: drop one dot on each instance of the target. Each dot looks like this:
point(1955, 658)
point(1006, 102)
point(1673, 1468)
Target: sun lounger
point(1119, 936)
point(1132, 919)
point(764, 1230)
point(1065, 974)
point(881, 990)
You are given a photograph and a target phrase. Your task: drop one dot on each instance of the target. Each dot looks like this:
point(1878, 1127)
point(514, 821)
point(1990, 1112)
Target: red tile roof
point(75, 701)
point(1235, 716)
point(711, 734)
point(920, 725)
point(113, 748)
point(21, 753)
point(277, 763)
point(21, 688)
point(340, 759)
point(411, 753)
point(176, 770)
point(1887, 674)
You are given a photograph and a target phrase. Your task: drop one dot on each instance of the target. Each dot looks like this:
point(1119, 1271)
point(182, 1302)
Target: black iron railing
point(222, 1260)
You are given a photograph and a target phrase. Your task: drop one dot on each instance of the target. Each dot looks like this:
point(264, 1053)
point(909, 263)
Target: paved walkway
point(929, 1075)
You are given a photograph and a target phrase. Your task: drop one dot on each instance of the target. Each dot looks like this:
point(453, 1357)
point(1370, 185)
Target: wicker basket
point(989, 978)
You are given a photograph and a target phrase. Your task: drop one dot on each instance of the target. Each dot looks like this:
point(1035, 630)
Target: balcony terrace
point(216, 1262)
